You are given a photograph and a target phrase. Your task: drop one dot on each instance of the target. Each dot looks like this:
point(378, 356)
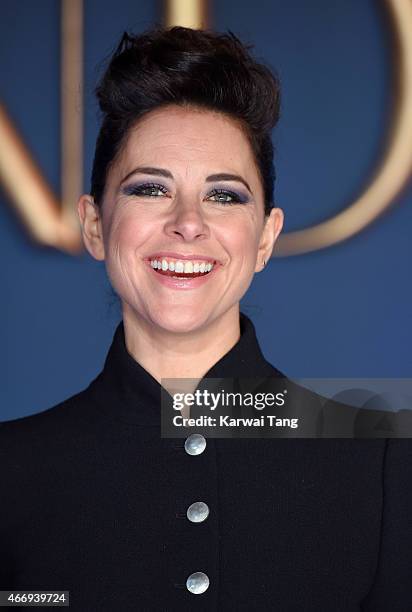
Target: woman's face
point(184, 185)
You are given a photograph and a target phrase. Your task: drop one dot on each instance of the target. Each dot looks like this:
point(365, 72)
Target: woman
point(95, 501)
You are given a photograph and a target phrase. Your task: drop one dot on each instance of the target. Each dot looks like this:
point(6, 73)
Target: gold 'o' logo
point(54, 223)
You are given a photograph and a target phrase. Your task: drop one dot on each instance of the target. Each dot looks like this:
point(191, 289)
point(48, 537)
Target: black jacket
point(95, 502)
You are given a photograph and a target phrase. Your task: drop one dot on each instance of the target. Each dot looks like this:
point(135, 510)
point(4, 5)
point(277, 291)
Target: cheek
point(127, 234)
point(125, 244)
point(241, 239)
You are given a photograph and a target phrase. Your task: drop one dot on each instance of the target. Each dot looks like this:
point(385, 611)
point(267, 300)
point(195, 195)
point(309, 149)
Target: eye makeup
point(139, 189)
point(149, 189)
point(236, 197)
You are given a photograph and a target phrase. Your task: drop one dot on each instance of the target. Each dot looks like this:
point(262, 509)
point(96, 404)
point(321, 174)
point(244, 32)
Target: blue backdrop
point(340, 312)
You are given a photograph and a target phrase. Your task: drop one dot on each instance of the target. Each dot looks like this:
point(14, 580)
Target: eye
point(221, 193)
point(148, 189)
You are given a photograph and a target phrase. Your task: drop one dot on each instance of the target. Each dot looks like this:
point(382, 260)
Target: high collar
point(125, 390)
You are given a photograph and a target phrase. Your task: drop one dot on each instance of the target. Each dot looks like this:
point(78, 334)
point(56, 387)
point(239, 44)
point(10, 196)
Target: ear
point(91, 224)
point(271, 230)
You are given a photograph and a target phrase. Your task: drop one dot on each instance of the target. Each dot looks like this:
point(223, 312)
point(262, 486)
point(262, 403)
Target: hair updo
point(186, 67)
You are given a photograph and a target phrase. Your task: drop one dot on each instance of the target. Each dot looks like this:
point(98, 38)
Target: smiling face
point(169, 192)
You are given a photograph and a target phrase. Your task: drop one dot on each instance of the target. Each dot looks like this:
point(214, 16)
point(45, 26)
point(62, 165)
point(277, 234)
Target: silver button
point(197, 583)
point(197, 512)
point(195, 444)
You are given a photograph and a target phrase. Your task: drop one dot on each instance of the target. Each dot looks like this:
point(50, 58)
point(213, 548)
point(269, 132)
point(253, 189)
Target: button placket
point(197, 582)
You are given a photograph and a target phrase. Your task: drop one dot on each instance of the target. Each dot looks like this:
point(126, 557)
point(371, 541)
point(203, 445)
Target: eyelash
point(137, 190)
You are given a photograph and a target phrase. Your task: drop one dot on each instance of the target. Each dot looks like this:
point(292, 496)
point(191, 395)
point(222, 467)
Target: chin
point(179, 319)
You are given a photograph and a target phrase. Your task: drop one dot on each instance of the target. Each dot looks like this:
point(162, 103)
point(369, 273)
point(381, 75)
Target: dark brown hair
point(183, 66)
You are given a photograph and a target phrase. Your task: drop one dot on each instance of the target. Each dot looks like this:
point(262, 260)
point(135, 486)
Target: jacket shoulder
point(72, 413)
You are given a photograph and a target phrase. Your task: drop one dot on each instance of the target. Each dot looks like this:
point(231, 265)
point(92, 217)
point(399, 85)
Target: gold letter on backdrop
point(395, 167)
point(49, 221)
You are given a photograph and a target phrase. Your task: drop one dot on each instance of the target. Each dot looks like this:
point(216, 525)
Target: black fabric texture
point(94, 500)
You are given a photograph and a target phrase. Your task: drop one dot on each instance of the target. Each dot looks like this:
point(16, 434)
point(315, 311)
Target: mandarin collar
point(125, 390)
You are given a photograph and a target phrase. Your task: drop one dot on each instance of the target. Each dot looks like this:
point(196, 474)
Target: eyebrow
point(221, 176)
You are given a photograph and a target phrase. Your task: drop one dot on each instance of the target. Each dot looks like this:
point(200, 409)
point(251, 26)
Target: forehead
point(197, 138)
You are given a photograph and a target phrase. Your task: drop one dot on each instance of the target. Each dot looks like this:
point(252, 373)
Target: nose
point(187, 220)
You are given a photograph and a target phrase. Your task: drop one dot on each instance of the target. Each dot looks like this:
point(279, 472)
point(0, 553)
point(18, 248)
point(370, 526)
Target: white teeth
point(187, 267)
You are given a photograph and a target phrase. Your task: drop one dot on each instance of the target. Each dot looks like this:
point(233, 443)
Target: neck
point(166, 354)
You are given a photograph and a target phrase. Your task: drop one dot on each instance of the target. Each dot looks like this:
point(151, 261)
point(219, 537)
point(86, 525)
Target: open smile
point(182, 280)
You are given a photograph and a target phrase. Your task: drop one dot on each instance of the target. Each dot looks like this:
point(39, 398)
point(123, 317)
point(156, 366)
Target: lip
point(183, 257)
point(183, 283)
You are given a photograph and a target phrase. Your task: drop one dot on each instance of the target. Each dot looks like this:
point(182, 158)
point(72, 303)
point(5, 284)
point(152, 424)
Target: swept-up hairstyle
point(187, 67)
